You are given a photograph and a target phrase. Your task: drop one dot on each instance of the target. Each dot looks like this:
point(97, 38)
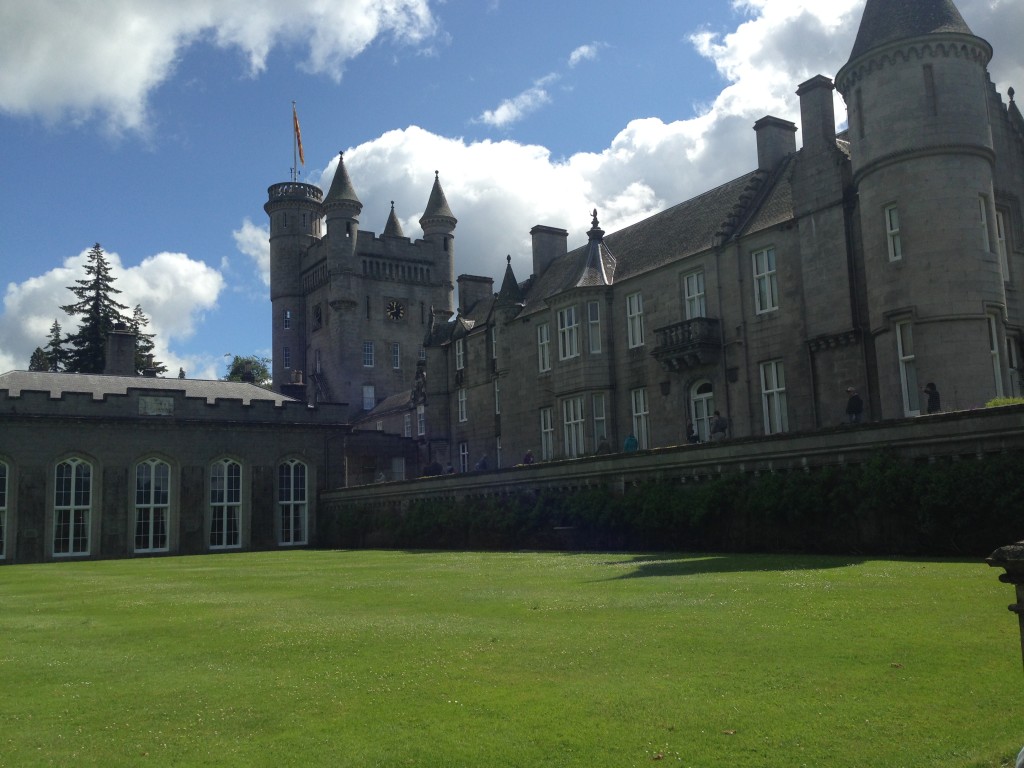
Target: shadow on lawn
point(693, 564)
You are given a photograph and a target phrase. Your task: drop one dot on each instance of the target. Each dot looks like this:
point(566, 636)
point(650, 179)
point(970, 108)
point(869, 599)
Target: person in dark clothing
point(934, 404)
point(854, 406)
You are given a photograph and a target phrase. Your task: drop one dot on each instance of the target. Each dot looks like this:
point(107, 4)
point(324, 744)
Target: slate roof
point(101, 385)
point(341, 187)
point(886, 21)
point(437, 205)
point(393, 228)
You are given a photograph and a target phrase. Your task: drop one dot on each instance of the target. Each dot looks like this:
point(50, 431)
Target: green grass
point(468, 659)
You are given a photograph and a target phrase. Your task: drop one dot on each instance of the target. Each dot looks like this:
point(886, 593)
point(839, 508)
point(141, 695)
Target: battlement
point(294, 190)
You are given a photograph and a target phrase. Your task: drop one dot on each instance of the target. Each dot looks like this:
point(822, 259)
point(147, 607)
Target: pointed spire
point(437, 212)
point(394, 227)
point(341, 188)
point(886, 21)
point(509, 292)
point(598, 262)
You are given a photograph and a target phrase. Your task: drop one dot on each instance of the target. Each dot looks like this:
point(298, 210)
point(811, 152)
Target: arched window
point(292, 502)
point(225, 504)
point(702, 406)
point(72, 507)
point(152, 505)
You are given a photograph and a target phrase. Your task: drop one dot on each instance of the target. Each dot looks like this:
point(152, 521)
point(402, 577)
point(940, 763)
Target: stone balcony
point(688, 344)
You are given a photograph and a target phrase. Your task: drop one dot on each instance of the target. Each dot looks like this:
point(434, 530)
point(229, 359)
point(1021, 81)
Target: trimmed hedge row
point(887, 506)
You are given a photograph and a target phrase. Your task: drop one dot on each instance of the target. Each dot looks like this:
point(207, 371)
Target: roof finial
point(392, 205)
point(509, 259)
point(1011, 93)
point(594, 221)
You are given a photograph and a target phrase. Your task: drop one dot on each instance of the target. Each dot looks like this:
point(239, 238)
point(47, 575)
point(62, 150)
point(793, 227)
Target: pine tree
point(99, 311)
point(56, 355)
point(143, 343)
point(40, 360)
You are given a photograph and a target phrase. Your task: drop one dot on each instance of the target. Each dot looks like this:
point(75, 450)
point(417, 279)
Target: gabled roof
point(886, 21)
point(100, 385)
point(396, 403)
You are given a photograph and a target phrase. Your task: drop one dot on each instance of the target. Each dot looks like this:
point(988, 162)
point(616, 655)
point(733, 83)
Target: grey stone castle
point(881, 259)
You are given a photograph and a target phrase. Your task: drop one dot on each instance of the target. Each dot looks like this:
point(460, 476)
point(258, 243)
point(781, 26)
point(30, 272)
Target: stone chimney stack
point(472, 289)
point(548, 244)
point(776, 139)
point(817, 113)
point(120, 360)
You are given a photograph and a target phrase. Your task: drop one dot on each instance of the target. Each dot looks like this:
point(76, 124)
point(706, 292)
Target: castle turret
point(922, 160)
point(294, 211)
point(341, 210)
point(438, 224)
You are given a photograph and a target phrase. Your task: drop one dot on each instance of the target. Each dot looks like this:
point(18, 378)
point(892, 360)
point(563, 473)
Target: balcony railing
point(688, 344)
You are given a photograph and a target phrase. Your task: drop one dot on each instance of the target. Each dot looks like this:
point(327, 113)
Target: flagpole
point(295, 147)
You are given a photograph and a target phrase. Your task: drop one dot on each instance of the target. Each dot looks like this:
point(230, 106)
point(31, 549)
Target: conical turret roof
point(394, 227)
point(598, 263)
point(437, 205)
point(341, 188)
point(509, 292)
point(886, 21)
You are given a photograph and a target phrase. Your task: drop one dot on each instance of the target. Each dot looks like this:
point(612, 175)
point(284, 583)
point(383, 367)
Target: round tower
point(438, 225)
point(922, 160)
point(294, 211)
point(341, 211)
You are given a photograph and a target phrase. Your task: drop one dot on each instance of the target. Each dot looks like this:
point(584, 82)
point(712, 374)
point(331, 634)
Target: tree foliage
point(99, 311)
point(56, 354)
point(250, 368)
point(39, 361)
point(143, 343)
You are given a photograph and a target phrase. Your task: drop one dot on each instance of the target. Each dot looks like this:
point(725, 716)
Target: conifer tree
point(56, 355)
point(40, 360)
point(99, 311)
point(143, 343)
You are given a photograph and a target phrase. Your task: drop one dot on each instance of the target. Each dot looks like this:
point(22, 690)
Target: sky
point(155, 128)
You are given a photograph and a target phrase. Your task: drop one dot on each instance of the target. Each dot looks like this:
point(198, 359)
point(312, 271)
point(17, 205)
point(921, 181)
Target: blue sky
point(155, 129)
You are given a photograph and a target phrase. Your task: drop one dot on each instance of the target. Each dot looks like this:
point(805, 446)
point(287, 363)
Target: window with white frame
point(292, 502)
point(599, 418)
point(908, 368)
point(1004, 263)
point(497, 397)
point(641, 423)
point(494, 342)
point(463, 457)
point(3, 510)
point(572, 423)
point(773, 397)
point(225, 504)
point(693, 295)
point(994, 347)
point(368, 354)
point(72, 507)
point(497, 453)
point(287, 357)
point(396, 355)
point(986, 242)
point(892, 232)
point(407, 425)
point(369, 397)
point(287, 319)
point(568, 333)
point(702, 408)
point(421, 420)
point(423, 353)
point(543, 347)
point(463, 411)
point(635, 320)
point(460, 354)
point(547, 434)
point(594, 326)
point(152, 505)
point(766, 285)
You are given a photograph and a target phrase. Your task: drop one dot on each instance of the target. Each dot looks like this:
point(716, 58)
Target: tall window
point(594, 326)
point(702, 406)
point(152, 505)
point(3, 510)
point(463, 457)
point(368, 354)
point(986, 243)
point(892, 232)
point(494, 342)
point(773, 397)
point(292, 504)
point(396, 355)
point(287, 319)
point(287, 357)
point(225, 504)
point(1013, 363)
point(72, 507)
point(635, 320)
point(497, 397)
point(908, 369)
point(460, 354)
point(600, 420)
point(369, 397)
point(994, 347)
point(568, 333)
point(421, 420)
point(407, 425)
point(1004, 264)
point(766, 286)
point(463, 411)
point(641, 430)
point(693, 295)
point(547, 434)
point(543, 347)
point(572, 422)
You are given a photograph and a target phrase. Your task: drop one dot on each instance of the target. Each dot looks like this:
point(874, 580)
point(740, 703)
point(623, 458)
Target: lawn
point(525, 659)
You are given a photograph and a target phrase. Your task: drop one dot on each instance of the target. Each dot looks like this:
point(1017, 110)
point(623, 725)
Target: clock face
point(395, 310)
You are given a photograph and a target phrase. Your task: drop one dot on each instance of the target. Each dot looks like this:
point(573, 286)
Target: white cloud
point(254, 242)
point(79, 60)
point(583, 53)
point(515, 109)
point(173, 290)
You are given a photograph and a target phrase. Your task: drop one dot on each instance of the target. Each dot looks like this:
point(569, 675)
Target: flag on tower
point(298, 134)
